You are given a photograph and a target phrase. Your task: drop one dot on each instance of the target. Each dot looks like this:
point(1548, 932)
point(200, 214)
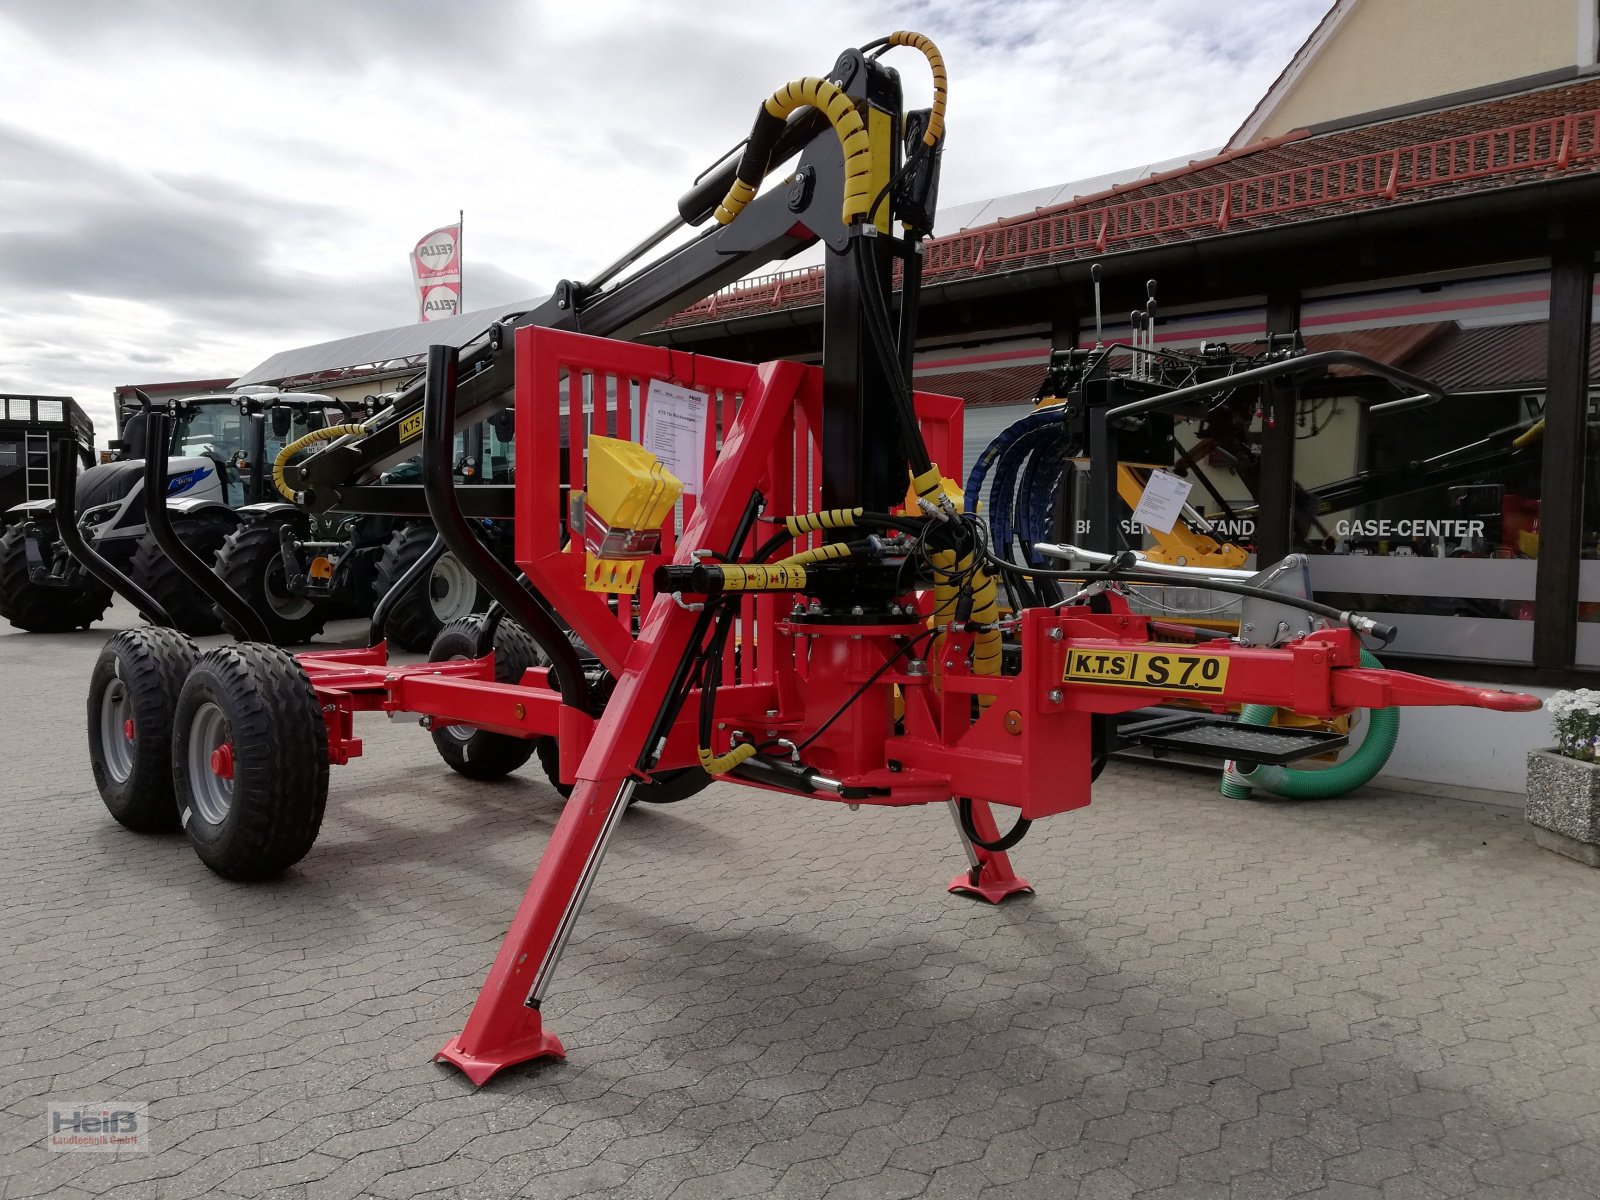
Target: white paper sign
point(1162, 502)
point(675, 430)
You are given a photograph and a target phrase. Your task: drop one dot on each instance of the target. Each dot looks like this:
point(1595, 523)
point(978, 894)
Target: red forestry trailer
point(814, 617)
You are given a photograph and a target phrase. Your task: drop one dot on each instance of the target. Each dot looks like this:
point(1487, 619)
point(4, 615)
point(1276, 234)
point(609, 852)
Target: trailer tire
point(448, 594)
point(191, 610)
point(37, 609)
point(249, 760)
point(477, 753)
point(668, 787)
point(251, 563)
point(133, 692)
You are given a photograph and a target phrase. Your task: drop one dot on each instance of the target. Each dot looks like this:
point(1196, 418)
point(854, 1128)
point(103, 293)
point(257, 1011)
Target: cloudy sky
point(190, 186)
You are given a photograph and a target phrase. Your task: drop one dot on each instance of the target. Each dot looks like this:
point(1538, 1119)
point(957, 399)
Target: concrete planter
point(1564, 805)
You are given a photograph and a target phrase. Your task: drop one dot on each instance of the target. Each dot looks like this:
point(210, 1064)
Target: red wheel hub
point(222, 761)
point(127, 729)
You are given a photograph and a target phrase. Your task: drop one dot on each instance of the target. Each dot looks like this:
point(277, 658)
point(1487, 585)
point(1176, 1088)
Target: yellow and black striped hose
point(332, 432)
point(847, 124)
point(941, 79)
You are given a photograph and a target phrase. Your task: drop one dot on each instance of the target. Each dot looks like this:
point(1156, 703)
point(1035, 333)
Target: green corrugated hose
point(1383, 730)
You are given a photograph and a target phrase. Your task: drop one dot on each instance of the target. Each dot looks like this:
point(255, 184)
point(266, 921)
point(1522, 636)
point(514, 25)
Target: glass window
point(1588, 647)
point(499, 448)
point(1428, 515)
point(208, 429)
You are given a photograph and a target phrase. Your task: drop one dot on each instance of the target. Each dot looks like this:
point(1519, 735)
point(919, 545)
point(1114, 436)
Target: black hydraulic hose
point(1288, 366)
point(409, 579)
point(871, 679)
point(64, 484)
point(697, 654)
point(882, 339)
point(1002, 843)
point(490, 626)
point(438, 487)
point(700, 201)
point(158, 435)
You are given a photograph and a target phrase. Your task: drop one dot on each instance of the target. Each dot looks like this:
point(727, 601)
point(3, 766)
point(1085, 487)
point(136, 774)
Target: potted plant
point(1564, 781)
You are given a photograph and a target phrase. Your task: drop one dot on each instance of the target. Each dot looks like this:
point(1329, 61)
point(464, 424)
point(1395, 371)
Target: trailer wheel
point(38, 609)
point(249, 760)
point(476, 753)
point(251, 563)
point(448, 594)
point(133, 691)
point(668, 787)
point(191, 610)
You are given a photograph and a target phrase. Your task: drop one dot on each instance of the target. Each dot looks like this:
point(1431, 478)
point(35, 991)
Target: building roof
point(1539, 134)
point(1498, 356)
point(402, 346)
point(1551, 132)
point(957, 218)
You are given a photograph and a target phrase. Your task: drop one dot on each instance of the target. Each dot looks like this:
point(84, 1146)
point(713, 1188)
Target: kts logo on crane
point(436, 271)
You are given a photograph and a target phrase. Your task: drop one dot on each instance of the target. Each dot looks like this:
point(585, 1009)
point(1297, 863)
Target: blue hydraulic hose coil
point(1003, 515)
point(991, 452)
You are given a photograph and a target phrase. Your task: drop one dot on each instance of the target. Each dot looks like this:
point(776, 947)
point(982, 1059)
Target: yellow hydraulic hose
point(847, 123)
point(834, 518)
point(941, 80)
point(721, 764)
point(299, 444)
point(985, 611)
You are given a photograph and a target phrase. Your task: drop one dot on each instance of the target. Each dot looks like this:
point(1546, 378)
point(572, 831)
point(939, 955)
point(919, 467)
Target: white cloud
point(190, 188)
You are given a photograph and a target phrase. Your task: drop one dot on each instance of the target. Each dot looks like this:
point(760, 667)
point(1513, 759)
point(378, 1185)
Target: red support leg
point(990, 876)
point(504, 1028)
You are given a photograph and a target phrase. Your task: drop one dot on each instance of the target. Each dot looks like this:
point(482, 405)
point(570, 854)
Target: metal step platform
point(1223, 737)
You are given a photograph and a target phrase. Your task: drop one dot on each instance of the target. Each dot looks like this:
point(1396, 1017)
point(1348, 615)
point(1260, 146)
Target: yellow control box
point(630, 497)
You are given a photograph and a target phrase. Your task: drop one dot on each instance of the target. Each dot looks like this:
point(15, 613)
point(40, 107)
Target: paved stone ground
point(1388, 996)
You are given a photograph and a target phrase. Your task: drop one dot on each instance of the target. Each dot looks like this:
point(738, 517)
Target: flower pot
point(1564, 805)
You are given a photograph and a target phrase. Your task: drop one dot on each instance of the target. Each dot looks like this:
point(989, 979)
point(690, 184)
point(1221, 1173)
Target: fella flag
point(436, 268)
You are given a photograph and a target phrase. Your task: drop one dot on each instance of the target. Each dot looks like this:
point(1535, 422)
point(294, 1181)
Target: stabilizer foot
point(987, 882)
point(481, 1068)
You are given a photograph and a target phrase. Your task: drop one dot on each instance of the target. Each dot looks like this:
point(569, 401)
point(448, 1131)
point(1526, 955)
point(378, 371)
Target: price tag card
point(1162, 501)
point(675, 430)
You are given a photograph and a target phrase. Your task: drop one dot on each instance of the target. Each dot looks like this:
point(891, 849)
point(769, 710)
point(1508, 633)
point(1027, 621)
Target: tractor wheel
point(45, 609)
point(191, 610)
point(477, 753)
point(132, 694)
point(251, 563)
point(447, 595)
point(250, 760)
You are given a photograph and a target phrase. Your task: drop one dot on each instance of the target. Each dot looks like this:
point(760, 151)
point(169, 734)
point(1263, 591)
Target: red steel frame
point(1029, 748)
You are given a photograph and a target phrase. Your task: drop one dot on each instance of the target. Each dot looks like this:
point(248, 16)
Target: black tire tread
point(412, 624)
point(242, 564)
point(153, 665)
point(486, 755)
point(191, 610)
point(36, 609)
point(280, 755)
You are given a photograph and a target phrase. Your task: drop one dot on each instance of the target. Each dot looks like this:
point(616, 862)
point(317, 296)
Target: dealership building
point(1428, 201)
